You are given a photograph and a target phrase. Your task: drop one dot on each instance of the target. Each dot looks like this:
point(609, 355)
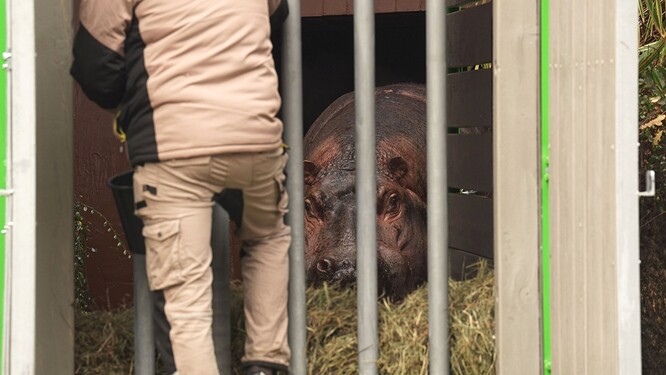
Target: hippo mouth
point(395, 284)
point(395, 276)
point(390, 285)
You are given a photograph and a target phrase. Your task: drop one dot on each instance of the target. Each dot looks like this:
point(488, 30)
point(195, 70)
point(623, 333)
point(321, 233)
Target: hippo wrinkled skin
point(330, 205)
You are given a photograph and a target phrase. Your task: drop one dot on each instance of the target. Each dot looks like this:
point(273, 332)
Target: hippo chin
point(330, 202)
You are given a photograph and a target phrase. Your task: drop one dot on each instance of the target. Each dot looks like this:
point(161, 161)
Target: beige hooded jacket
point(190, 78)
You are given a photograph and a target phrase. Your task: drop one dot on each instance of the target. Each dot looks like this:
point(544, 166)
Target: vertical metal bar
point(438, 264)
point(221, 294)
point(144, 343)
point(292, 79)
point(366, 235)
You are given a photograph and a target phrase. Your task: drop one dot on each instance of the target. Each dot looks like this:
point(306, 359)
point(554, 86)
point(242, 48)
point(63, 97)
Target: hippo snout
point(330, 269)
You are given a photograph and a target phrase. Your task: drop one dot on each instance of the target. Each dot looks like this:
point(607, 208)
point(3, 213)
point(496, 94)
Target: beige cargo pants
point(174, 199)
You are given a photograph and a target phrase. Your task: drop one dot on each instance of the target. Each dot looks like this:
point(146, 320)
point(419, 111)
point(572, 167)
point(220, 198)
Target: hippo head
point(330, 226)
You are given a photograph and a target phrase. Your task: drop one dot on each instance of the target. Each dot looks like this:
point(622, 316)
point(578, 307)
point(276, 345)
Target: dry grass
point(472, 307)
point(104, 343)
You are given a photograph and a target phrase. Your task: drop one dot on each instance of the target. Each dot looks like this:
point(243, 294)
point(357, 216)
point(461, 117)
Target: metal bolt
point(6, 56)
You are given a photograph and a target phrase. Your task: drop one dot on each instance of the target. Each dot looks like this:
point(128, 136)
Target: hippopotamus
point(330, 203)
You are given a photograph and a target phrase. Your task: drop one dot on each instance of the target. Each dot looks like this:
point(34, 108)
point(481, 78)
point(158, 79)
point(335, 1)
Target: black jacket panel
point(136, 111)
point(99, 70)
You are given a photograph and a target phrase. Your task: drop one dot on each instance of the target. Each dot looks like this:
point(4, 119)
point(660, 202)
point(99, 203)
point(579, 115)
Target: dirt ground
point(653, 294)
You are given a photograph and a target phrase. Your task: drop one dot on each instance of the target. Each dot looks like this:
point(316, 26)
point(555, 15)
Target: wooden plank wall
point(582, 210)
point(593, 242)
point(470, 120)
point(315, 8)
point(516, 182)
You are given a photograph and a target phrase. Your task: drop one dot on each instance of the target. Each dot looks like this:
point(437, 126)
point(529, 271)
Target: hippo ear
point(398, 168)
point(310, 171)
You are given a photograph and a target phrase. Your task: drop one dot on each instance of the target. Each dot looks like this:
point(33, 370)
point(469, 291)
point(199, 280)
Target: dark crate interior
point(328, 72)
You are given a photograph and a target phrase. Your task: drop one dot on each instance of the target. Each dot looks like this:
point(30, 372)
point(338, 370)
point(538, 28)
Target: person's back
point(196, 89)
point(200, 77)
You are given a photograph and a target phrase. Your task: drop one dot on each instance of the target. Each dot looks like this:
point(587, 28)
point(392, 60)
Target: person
point(196, 91)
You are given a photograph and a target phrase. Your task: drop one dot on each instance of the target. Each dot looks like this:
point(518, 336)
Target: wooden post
point(40, 315)
point(594, 172)
point(516, 182)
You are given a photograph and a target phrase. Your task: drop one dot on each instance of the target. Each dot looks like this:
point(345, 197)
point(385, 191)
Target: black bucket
point(123, 194)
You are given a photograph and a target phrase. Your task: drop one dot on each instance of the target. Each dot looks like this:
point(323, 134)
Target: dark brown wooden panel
point(318, 8)
point(470, 161)
point(410, 5)
point(335, 7)
point(311, 8)
point(461, 264)
point(453, 3)
point(471, 224)
point(470, 99)
point(470, 36)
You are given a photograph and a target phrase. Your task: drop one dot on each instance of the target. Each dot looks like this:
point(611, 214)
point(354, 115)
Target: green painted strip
point(3, 165)
point(545, 196)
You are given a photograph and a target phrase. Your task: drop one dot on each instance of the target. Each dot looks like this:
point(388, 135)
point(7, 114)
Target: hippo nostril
point(324, 266)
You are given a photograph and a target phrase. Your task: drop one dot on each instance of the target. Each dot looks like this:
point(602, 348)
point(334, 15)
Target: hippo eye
point(309, 210)
point(393, 204)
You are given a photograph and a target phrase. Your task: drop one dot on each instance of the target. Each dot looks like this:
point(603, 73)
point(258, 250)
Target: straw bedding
point(104, 339)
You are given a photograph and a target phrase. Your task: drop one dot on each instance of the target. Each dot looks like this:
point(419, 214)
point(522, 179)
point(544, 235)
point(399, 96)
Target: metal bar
point(438, 262)
point(292, 78)
point(366, 235)
point(144, 343)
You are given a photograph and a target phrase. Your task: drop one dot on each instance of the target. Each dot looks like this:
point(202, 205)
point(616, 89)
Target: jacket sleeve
point(99, 61)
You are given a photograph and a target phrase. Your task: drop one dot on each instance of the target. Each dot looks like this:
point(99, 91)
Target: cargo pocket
point(280, 178)
point(163, 254)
